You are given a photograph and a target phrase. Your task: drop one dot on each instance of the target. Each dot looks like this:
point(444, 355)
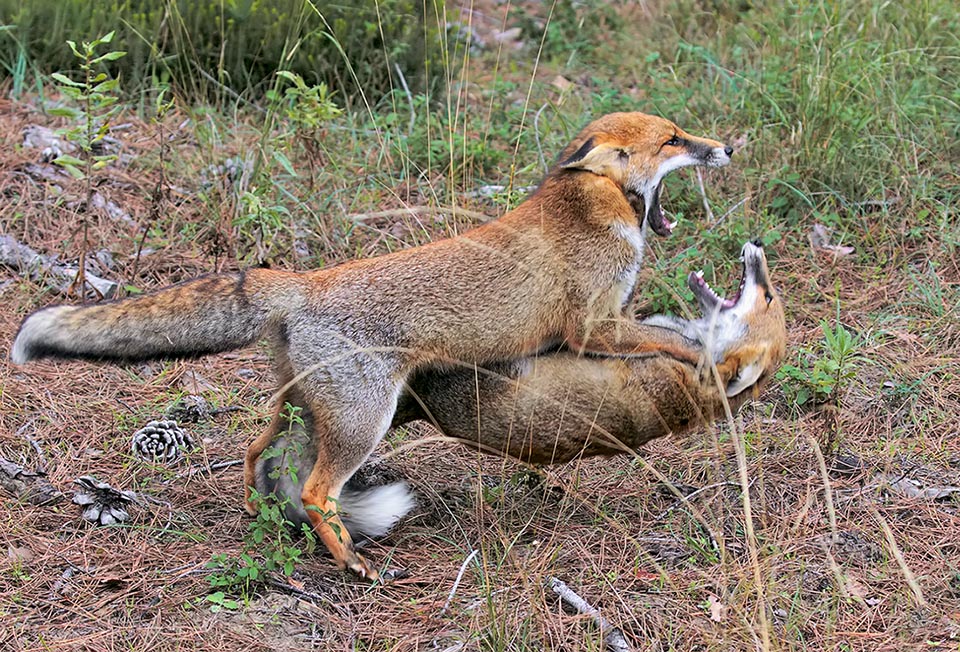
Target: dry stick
point(690, 495)
point(536, 133)
point(22, 432)
point(730, 210)
point(309, 595)
point(406, 90)
point(827, 491)
point(703, 196)
point(745, 483)
point(456, 583)
point(198, 468)
point(613, 638)
point(908, 575)
point(157, 202)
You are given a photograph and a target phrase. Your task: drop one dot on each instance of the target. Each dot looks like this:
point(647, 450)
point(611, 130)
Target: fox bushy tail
point(205, 315)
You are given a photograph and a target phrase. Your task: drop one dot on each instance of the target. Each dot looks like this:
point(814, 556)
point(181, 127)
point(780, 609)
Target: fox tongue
point(655, 216)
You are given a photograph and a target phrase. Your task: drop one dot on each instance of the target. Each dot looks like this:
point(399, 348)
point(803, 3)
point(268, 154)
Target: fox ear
point(595, 157)
point(746, 378)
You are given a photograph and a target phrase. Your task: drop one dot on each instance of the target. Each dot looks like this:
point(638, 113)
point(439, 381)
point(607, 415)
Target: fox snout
point(709, 153)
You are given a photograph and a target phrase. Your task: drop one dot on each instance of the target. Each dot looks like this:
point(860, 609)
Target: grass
point(844, 114)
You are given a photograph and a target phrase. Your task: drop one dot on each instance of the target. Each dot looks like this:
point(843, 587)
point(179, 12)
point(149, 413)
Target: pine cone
point(161, 441)
point(189, 409)
point(102, 503)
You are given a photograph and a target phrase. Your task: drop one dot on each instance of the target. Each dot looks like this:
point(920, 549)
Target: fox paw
point(364, 569)
point(248, 503)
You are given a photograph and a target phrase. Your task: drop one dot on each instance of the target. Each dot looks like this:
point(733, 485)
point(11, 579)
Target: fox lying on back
point(558, 406)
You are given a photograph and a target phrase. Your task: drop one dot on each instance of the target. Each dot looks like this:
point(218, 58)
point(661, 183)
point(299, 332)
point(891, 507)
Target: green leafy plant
point(308, 107)
point(261, 218)
point(97, 96)
point(218, 601)
point(269, 547)
point(823, 372)
point(308, 110)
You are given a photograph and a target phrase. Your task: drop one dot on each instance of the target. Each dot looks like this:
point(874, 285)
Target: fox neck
point(581, 199)
point(719, 331)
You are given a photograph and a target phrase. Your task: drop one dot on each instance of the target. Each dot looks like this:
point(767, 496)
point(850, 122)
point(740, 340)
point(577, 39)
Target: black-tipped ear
point(597, 157)
point(578, 155)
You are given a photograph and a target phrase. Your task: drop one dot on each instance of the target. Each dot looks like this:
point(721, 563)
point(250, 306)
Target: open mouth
point(708, 298)
point(652, 213)
point(753, 272)
point(656, 218)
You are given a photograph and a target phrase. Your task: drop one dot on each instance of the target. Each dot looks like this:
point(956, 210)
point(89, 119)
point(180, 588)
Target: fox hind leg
point(348, 423)
point(254, 450)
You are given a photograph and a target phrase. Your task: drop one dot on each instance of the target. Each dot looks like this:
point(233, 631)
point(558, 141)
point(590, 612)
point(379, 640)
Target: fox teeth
point(673, 225)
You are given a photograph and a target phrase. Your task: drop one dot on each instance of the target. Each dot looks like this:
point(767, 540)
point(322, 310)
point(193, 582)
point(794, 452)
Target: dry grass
point(872, 568)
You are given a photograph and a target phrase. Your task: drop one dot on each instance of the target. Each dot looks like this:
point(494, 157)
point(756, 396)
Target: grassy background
point(843, 114)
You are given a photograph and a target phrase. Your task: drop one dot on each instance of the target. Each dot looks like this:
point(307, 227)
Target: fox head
point(636, 151)
point(747, 334)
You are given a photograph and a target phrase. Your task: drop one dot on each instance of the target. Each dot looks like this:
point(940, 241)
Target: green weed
point(269, 547)
point(823, 372)
point(97, 97)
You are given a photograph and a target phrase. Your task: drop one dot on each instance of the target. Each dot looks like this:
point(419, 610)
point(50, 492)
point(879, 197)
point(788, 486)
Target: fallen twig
point(703, 196)
point(730, 210)
point(613, 638)
point(692, 494)
point(300, 593)
point(206, 468)
point(456, 583)
point(22, 432)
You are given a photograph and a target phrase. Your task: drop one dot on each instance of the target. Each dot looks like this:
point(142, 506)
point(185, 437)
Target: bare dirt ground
point(862, 559)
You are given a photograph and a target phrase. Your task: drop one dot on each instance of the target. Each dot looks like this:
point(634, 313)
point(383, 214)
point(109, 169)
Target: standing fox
point(556, 270)
point(559, 406)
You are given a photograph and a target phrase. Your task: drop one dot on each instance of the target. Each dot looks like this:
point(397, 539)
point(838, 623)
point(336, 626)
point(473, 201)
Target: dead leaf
point(717, 609)
point(295, 583)
point(855, 588)
point(561, 83)
point(112, 580)
point(915, 489)
point(22, 555)
point(820, 240)
point(508, 35)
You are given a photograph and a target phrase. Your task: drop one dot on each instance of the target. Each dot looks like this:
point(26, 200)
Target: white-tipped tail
point(373, 512)
point(40, 327)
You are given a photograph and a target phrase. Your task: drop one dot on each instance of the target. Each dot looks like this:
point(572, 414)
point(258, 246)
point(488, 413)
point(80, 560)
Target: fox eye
point(673, 142)
point(769, 298)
